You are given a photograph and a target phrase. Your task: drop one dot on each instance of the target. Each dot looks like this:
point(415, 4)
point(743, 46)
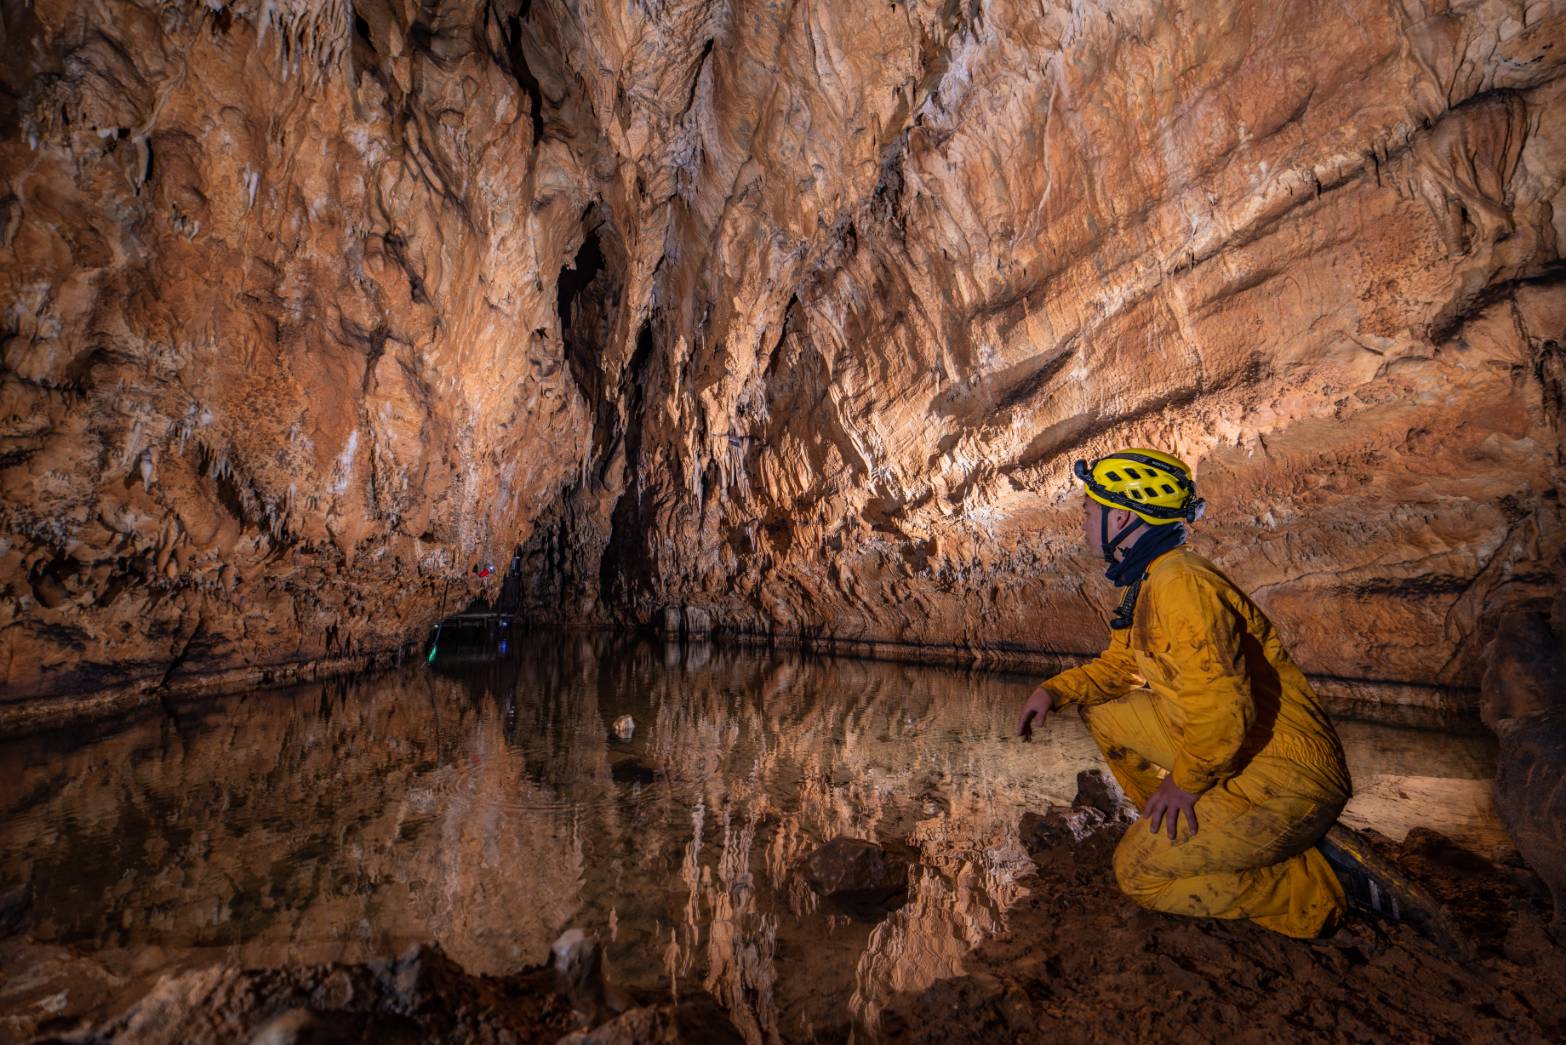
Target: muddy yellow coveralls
point(1200, 686)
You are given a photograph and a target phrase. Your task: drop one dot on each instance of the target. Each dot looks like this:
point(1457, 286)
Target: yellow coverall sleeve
point(1212, 685)
point(1112, 674)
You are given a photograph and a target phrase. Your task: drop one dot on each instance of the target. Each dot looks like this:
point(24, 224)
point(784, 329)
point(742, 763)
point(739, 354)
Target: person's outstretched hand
point(1167, 803)
point(1033, 712)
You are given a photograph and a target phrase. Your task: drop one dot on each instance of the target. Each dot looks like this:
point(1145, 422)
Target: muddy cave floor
point(1080, 962)
point(1077, 962)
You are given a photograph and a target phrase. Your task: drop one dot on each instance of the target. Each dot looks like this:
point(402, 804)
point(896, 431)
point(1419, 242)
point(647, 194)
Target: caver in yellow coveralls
point(1227, 712)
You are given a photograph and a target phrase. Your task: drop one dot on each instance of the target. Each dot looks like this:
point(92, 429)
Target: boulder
point(1523, 669)
point(1099, 804)
point(856, 874)
point(1098, 790)
point(1522, 701)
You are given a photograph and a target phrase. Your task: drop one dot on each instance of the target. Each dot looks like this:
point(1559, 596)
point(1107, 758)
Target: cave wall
point(784, 318)
point(281, 342)
point(925, 255)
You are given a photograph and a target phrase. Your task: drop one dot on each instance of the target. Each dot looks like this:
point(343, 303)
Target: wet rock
point(858, 875)
point(1523, 701)
point(1099, 804)
point(698, 622)
point(624, 727)
point(577, 961)
point(1098, 790)
point(291, 426)
point(1059, 826)
point(672, 622)
point(880, 451)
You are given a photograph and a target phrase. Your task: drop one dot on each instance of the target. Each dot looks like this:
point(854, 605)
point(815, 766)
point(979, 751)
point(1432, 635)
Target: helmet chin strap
point(1110, 544)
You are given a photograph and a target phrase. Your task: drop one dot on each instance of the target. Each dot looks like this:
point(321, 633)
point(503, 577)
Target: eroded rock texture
point(282, 358)
point(780, 318)
point(1524, 702)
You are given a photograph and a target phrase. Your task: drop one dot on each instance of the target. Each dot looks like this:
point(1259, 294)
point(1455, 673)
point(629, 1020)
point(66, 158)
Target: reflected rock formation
point(766, 319)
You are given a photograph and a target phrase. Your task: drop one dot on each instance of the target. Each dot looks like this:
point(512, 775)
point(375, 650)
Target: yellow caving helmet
point(1155, 486)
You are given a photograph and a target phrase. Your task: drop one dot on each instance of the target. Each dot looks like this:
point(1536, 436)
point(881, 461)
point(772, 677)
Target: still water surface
point(484, 803)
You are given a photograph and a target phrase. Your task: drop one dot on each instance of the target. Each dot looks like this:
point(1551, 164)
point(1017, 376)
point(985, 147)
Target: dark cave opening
point(577, 277)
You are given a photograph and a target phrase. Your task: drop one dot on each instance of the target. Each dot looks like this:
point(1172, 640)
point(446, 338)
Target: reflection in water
point(487, 804)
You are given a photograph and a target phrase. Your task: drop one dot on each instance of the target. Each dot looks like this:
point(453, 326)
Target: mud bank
point(1080, 962)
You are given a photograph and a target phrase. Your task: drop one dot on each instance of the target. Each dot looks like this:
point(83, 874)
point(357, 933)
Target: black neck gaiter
point(1129, 571)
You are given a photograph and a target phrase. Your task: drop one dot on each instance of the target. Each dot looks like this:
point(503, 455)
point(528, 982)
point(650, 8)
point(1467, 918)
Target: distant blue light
point(502, 645)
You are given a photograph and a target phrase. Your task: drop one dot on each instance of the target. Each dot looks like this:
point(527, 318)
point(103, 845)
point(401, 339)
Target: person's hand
point(1033, 712)
point(1167, 803)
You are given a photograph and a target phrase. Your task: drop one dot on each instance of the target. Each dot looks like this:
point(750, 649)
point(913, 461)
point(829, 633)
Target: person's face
point(1091, 531)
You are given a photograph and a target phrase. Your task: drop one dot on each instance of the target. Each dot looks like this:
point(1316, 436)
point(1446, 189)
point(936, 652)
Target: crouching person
point(1203, 717)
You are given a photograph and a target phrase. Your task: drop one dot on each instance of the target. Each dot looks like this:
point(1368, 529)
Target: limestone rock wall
point(776, 317)
point(924, 255)
point(281, 354)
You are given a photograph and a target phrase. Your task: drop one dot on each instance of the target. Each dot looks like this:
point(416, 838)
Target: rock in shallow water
point(1059, 826)
point(857, 874)
point(1098, 790)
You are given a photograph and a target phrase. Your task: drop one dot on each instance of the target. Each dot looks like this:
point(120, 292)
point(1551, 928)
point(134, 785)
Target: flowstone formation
point(782, 319)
